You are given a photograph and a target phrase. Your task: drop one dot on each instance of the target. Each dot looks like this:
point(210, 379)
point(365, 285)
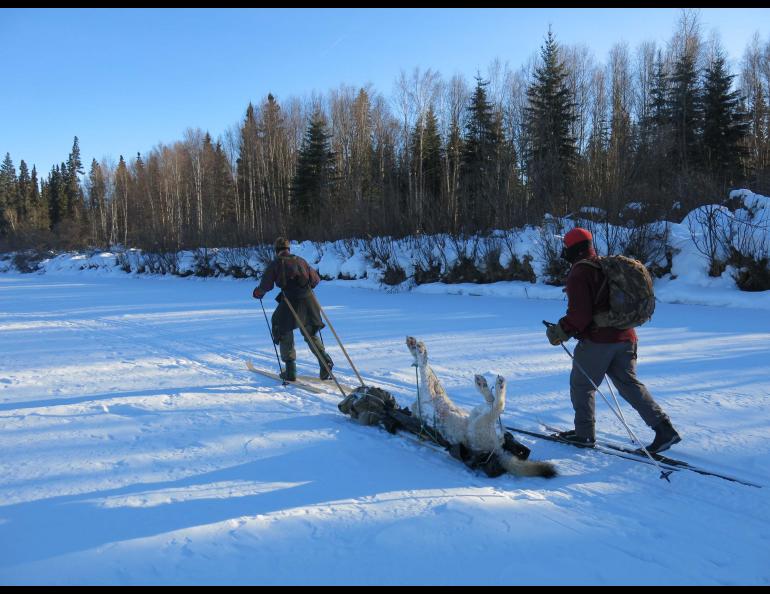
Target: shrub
point(555, 272)
point(393, 275)
point(522, 269)
point(463, 271)
point(204, 263)
point(430, 274)
point(122, 260)
point(28, 261)
point(752, 272)
point(380, 251)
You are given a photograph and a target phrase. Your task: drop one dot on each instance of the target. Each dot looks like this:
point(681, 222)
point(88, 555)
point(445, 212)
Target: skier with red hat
point(601, 349)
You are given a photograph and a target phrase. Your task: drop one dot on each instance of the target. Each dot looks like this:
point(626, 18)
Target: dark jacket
point(296, 279)
point(587, 294)
point(293, 275)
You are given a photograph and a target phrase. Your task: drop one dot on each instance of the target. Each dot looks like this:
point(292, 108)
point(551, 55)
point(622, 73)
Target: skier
point(601, 349)
point(296, 279)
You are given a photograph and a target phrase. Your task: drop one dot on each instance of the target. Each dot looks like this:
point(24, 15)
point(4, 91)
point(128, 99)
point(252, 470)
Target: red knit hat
point(577, 235)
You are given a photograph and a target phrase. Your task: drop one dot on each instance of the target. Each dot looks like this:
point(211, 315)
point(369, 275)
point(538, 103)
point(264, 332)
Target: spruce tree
point(120, 197)
point(8, 195)
point(24, 194)
point(431, 161)
point(37, 204)
point(659, 111)
point(425, 147)
point(313, 181)
point(656, 110)
point(72, 182)
point(224, 190)
point(686, 110)
point(56, 196)
point(551, 146)
point(479, 175)
point(725, 123)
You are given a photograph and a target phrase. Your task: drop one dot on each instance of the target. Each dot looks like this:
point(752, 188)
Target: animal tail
point(527, 467)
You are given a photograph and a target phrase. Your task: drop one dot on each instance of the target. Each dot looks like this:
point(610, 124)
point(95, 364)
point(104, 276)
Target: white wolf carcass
point(475, 430)
point(469, 436)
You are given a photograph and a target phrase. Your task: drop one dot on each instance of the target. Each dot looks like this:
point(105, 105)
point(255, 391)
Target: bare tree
point(454, 100)
point(414, 96)
point(580, 65)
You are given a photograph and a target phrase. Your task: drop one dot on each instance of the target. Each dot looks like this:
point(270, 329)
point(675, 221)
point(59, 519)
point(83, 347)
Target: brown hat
point(281, 244)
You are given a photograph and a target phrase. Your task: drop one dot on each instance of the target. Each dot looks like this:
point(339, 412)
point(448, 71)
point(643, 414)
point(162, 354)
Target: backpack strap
point(282, 270)
point(597, 266)
point(297, 271)
point(590, 263)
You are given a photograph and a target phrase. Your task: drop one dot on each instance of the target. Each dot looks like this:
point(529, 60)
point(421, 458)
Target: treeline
point(649, 135)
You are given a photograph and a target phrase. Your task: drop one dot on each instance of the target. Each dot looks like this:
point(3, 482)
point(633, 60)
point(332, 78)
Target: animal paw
point(500, 384)
point(500, 394)
point(418, 350)
point(411, 343)
point(483, 388)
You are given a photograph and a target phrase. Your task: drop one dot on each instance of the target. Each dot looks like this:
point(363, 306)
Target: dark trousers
point(618, 361)
point(286, 345)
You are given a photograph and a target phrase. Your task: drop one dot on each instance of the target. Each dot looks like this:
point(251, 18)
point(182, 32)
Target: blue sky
point(123, 80)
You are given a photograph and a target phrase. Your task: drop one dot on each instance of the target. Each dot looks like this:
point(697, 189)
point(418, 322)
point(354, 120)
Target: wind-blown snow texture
point(138, 450)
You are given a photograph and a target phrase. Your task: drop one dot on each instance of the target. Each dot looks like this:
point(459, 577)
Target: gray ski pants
point(618, 361)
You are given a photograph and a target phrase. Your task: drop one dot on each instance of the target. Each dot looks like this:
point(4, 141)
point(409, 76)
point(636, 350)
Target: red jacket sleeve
point(580, 306)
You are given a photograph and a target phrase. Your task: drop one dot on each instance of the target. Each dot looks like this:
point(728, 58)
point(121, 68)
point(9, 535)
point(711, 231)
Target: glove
point(258, 293)
point(556, 334)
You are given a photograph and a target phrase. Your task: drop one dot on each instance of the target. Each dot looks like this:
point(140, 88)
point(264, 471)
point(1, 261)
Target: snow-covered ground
point(137, 449)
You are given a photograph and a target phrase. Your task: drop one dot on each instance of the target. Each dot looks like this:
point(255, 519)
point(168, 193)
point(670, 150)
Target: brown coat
point(296, 279)
point(291, 273)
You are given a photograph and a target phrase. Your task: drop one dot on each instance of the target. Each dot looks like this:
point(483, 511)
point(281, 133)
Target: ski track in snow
point(139, 450)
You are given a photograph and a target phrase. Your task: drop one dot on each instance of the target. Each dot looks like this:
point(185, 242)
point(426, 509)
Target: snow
point(138, 450)
point(329, 265)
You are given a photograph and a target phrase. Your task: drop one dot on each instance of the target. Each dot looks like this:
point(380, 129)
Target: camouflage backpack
point(632, 299)
point(368, 405)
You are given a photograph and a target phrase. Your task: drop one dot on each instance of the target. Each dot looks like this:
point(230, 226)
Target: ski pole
point(272, 339)
point(634, 438)
point(617, 404)
point(328, 321)
point(312, 346)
